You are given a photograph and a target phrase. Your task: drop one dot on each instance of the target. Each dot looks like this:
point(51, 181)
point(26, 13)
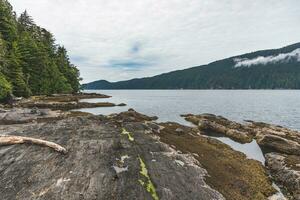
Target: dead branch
point(10, 140)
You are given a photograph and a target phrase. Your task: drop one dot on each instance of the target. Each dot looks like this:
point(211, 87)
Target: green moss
point(141, 182)
point(233, 174)
point(148, 183)
point(124, 132)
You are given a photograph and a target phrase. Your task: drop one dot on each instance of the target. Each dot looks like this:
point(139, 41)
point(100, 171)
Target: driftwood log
point(10, 140)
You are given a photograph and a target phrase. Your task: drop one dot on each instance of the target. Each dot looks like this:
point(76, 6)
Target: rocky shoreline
point(131, 156)
point(62, 102)
point(281, 146)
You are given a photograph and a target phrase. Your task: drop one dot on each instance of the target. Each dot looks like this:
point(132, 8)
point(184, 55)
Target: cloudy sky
point(119, 40)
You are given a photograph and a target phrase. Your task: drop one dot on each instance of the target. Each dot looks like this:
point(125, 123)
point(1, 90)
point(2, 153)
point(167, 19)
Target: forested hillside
point(31, 63)
point(267, 69)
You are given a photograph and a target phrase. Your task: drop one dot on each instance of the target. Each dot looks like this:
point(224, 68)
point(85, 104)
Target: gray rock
point(24, 115)
point(153, 127)
point(279, 144)
point(221, 125)
point(95, 150)
point(179, 130)
point(285, 173)
point(272, 137)
point(34, 110)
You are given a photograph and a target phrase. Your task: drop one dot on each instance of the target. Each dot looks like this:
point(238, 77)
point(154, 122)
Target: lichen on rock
point(147, 183)
point(125, 132)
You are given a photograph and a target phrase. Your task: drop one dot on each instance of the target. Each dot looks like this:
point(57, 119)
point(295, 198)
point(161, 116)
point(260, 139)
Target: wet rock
point(269, 137)
point(65, 105)
point(278, 144)
point(261, 129)
point(285, 172)
point(233, 130)
point(64, 102)
point(70, 97)
point(83, 95)
point(132, 116)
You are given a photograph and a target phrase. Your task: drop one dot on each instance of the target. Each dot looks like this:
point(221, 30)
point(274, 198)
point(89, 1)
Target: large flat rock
point(108, 158)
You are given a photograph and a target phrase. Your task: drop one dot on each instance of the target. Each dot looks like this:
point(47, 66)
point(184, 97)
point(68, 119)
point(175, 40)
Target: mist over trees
point(31, 63)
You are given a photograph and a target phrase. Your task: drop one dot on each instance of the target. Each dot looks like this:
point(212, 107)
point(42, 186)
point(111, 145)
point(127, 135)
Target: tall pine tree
point(5, 87)
point(30, 61)
point(15, 74)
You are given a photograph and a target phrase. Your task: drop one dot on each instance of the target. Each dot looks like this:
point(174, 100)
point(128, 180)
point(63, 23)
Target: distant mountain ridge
point(265, 69)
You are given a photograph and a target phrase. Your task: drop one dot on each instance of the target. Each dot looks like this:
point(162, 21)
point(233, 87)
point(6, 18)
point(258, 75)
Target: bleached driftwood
point(10, 140)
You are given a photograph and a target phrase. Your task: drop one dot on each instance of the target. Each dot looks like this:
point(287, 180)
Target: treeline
point(31, 63)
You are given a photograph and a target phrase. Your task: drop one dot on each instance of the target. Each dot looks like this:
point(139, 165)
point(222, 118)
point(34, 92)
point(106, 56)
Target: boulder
point(221, 125)
point(275, 143)
point(269, 137)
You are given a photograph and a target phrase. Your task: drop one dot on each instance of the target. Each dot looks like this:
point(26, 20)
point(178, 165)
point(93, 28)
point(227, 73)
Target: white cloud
point(263, 60)
point(172, 34)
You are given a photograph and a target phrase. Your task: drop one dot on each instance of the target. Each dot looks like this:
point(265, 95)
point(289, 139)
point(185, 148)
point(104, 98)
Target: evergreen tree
point(26, 22)
point(15, 75)
point(8, 27)
point(5, 87)
point(69, 70)
point(30, 61)
point(2, 53)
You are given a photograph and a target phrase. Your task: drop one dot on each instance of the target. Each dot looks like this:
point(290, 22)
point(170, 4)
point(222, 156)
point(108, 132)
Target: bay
point(280, 107)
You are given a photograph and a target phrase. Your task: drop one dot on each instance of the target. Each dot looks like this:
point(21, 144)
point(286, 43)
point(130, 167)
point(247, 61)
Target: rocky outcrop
point(130, 156)
point(272, 140)
point(68, 97)
point(230, 172)
point(21, 116)
point(64, 102)
point(285, 170)
point(101, 163)
point(260, 128)
point(210, 122)
point(276, 143)
point(66, 105)
point(127, 156)
point(276, 138)
point(33, 115)
point(270, 137)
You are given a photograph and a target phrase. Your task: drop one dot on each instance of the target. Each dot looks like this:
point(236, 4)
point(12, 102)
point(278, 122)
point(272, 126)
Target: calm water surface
point(280, 107)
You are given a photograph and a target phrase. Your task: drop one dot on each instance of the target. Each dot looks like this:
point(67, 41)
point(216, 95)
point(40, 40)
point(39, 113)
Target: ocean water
point(281, 107)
